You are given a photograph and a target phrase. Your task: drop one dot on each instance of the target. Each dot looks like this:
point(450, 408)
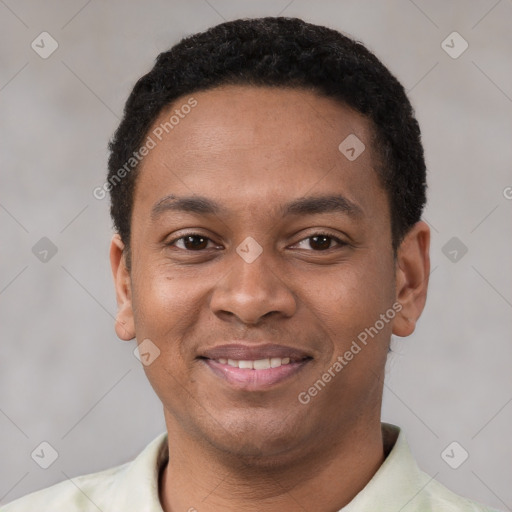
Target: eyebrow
point(323, 204)
point(302, 206)
point(192, 204)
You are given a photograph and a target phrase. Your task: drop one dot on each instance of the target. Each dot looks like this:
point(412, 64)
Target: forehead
point(254, 145)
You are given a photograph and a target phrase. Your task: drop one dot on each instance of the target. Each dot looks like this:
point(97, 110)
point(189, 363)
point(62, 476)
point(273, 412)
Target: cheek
point(165, 312)
point(164, 305)
point(352, 302)
point(357, 291)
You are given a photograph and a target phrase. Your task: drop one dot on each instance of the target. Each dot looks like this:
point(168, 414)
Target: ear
point(125, 325)
point(412, 273)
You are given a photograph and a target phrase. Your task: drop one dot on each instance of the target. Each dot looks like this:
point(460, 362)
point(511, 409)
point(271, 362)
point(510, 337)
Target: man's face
point(265, 271)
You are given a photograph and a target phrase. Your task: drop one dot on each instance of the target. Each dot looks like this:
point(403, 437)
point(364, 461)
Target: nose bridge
point(251, 271)
point(252, 288)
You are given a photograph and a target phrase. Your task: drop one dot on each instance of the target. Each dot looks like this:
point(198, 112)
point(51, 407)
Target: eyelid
point(320, 232)
point(181, 236)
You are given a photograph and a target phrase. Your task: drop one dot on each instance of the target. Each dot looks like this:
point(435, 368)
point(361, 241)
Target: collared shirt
point(398, 485)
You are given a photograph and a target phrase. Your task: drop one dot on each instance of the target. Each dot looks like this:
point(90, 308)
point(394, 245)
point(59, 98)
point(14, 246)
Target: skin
point(253, 150)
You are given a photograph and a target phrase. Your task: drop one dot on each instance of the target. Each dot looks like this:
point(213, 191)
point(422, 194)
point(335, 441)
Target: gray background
point(64, 376)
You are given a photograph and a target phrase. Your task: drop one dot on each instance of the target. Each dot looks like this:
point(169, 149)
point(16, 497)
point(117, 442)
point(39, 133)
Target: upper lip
point(242, 352)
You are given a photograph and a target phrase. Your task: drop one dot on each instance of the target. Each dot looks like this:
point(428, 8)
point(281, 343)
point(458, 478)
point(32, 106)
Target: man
point(267, 184)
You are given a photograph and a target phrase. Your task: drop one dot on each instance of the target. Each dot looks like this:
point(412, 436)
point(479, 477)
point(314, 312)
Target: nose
point(251, 291)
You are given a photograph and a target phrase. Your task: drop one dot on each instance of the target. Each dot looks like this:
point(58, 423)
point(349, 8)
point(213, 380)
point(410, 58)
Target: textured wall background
point(67, 380)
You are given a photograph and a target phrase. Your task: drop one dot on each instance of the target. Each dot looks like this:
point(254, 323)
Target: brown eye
point(320, 242)
point(191, 242)
point(195, 242)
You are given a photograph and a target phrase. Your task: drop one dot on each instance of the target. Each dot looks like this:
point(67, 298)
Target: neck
point(321, 478)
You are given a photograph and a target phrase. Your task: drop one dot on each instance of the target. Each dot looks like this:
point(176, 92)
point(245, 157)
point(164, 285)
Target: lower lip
point(253, 380)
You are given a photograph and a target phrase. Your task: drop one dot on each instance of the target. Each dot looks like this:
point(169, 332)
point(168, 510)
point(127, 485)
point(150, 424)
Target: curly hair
point(286, 52)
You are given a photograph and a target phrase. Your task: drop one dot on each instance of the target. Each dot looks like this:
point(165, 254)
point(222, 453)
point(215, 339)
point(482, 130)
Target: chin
point(260, 445)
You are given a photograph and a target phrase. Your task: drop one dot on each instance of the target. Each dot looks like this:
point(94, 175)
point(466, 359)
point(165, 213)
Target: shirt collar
point(396, 483)
point(142, 475)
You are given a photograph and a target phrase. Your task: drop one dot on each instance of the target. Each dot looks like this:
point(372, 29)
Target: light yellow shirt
point(398, 486)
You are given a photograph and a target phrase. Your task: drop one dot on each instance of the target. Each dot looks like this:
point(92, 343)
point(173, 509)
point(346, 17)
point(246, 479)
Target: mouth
point(255, 368)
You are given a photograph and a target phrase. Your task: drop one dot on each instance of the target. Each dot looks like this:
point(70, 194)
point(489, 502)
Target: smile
point(254, 368)
point(259, 364)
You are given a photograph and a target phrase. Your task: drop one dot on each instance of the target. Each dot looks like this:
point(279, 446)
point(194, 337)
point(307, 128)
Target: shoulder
point(399, 484)
point(84, 493)
point(441, 498)
point(130, 486)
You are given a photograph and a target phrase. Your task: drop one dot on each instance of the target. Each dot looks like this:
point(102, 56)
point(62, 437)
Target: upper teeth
point(259, 364)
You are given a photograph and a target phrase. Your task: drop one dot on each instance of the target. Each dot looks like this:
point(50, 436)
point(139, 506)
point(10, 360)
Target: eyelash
point(340, 242)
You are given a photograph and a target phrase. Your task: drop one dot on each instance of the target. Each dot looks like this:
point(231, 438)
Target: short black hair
point(282, 52)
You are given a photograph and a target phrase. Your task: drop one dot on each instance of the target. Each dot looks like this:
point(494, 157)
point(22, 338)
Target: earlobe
point(124, 325)
point(412, 273)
